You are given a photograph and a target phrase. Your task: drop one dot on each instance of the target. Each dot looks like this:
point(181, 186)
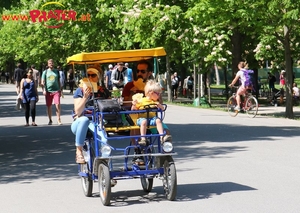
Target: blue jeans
point(79, 128)
point(152, 121)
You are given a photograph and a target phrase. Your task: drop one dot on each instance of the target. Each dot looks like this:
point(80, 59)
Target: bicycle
point(248, 105)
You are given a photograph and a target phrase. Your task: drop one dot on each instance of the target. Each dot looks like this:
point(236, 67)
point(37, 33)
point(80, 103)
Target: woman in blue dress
point(29, 96)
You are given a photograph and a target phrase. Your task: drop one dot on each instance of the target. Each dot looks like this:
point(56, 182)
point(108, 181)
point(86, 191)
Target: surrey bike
point(248, 104)
point(108, 159)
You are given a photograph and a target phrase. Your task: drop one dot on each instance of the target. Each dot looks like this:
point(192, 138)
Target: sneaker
point(167, 138)
point(50, 122)
point(143, 142)
point(59, 122)
point(237, 108)
point(113, 182)
point(138, 161)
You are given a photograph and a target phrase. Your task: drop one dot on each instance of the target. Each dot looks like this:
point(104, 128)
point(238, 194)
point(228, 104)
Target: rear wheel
point(251, 107)
point(104, 184)
point(170, 179)
point(231, 104)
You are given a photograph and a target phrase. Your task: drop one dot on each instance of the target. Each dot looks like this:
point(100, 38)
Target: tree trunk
point(217, 74)
point(195, 82)
point(289, 74)
point(169, 86)
point(236, 41)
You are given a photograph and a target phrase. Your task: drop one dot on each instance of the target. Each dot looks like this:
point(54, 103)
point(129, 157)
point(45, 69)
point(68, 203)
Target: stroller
point(277, 94)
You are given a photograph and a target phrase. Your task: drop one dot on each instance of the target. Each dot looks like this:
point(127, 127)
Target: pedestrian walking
point(29, 96)
point(51, 90)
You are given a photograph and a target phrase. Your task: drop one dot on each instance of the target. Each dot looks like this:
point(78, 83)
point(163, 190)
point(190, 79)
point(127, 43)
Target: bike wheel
point(170, 179)
point(104, 184)
point(147, 184)
point(86, 182)
point(251, 107)
point(231, 104)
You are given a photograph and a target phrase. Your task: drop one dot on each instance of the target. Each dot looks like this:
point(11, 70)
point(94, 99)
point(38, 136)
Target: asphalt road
point(224, 164)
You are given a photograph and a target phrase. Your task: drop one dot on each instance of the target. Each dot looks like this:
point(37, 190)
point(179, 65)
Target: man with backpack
point(247, 82)
point(52, 90)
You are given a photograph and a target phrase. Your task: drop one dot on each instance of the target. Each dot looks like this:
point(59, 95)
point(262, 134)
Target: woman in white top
point(242, 89)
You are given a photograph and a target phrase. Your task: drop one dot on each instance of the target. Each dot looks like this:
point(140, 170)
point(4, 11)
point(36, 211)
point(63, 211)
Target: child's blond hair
point(152, 86)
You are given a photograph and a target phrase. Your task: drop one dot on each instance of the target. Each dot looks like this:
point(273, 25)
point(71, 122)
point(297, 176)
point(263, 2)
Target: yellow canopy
point(116, 56)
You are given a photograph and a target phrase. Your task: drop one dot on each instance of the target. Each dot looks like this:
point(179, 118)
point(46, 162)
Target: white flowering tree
point(148, 24)
point(279, 41)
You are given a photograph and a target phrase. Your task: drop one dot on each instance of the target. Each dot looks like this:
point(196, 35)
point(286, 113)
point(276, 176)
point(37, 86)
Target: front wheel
point(231, 104)
point(104, 184)
point(251, 107)
point(147, 184)
point(86, 182)
point(170, 179)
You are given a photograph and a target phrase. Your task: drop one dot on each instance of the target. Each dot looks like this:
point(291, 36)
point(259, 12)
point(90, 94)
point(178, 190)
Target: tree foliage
point(198, 32)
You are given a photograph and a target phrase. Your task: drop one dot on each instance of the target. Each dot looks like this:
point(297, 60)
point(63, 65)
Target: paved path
point(224, 165)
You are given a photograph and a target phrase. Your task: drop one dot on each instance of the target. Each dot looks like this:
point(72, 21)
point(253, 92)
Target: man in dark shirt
point(271, 80)
point(18, 75)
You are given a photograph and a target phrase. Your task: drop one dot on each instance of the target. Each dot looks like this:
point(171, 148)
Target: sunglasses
point(92, 75)
point(142, 71)
point(157, 93)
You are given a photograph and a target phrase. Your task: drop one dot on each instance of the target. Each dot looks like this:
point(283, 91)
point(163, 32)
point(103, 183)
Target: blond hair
point(152, 86)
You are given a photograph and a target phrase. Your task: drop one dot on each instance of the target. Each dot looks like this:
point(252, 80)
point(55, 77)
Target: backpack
point(250, 79)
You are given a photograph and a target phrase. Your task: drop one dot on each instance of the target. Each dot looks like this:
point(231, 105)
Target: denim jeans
point(79, 128)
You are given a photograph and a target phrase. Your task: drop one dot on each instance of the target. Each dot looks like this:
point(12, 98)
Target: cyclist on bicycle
point(242, 89)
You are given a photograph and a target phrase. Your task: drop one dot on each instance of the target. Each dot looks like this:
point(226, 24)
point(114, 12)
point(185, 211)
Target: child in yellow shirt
point(152, 95)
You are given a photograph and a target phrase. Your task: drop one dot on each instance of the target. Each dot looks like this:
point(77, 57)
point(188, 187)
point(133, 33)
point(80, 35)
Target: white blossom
point(157, 5)
point(180, 37)
point(268, 47)
point(126, 20)
point(167, 6)
point(191, 19)
point(213, 53)
point(228, 52)
point(220, 37)
point(173, 31)
point(257, 49)
point(195, 40)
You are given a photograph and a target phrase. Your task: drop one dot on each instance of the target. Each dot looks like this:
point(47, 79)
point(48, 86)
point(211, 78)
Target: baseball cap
point(126, 64)
point(110, 66)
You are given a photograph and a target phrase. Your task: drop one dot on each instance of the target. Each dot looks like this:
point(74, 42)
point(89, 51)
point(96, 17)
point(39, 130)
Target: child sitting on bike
point(152, 93)
point(242, 89)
